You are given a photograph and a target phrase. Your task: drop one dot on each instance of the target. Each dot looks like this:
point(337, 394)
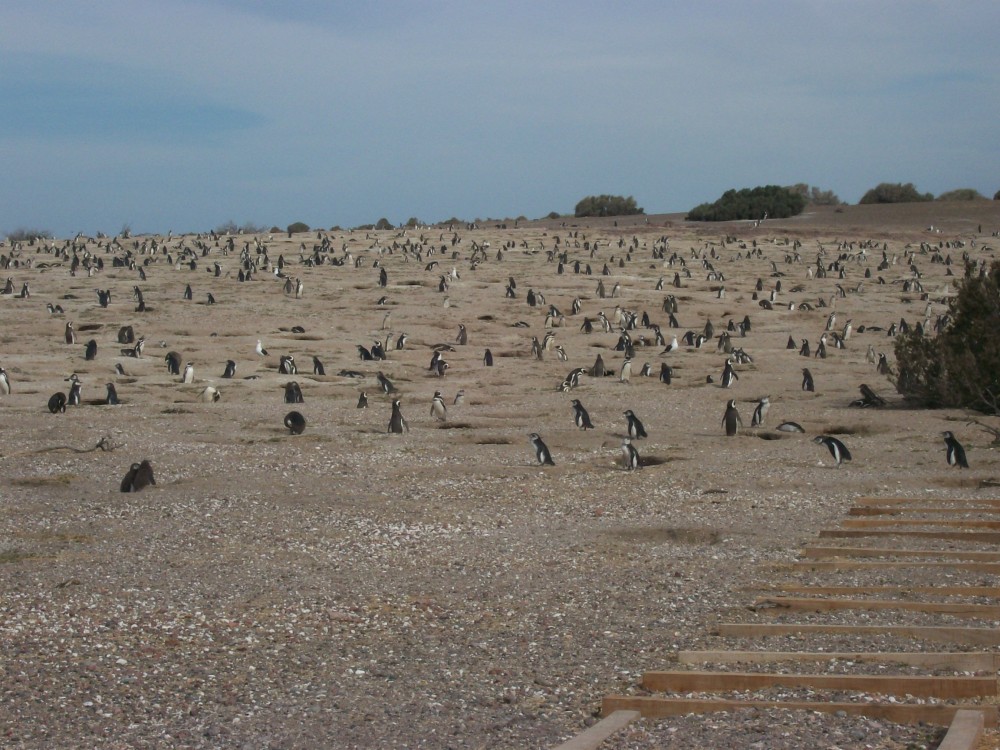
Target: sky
point(169, 115)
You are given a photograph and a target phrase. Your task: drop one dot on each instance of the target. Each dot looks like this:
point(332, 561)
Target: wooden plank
point(986, 537)
point(934, 500)
point(602, 730)
point(917, 686)
point(903, 713)
point(780, 604)
point(965, 661)
point(961, 523)
point(990, 591)
point(952, 554)
point(872, 510)
point(938, 634)
point(978, 567)
point(964, 732)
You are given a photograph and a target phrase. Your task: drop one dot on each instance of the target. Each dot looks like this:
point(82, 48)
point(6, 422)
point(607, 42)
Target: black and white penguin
point(580, 415)
point(138, 477)
point(760, 413)
point(790, 427)
point(73, 399)
point(4, 382)
point(385, 383)
point(293, 394)
point(625, 374)
point(463, 336)
point(57, 403)
point(188, 376)
point(488, 358)
point(598, 370)
point(112, 397)
point(542, 454)
point(955, 452)
point(666, 373)
point(635, 427)
point(70, 334)
point(630, 455)
point(210, 300)
point(91, 351)
point(173, 360)
point(807, 380)
point(295, 422)
point(397, 424)
point(363, 400)
point(230, 369)
point(729, 375)
point(209, 395)
point(837, 449)
point(438, 409)
point(731, 419)
point(286, 365)
point(791, 343)
point(459, 397)
point(188, 294)
point(318, 368)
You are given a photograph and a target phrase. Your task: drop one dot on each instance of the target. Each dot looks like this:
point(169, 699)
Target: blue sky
point(183, 115)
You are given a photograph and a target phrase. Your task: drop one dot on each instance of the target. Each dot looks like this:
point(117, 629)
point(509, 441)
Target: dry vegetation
point(352, 588)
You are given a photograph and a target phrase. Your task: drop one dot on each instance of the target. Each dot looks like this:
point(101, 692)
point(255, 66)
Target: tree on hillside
point(814, 196)
point(962, 194)
point(24, 234)
point(607, 205)
point(895, 192)
point(298, 226)
point(961, 366)
point(752, 204)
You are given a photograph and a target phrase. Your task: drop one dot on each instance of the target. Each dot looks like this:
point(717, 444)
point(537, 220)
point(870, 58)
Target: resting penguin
point(580, 415)
point(295, 422)
point(635, 427)
point(955, 452)
point(57, 403)
point(293, 394)
point(630, 455)
point(210, 395)
point(138, 477)
point(789, 427)
point(837, 449)
point(731, 419)
point(542, 454)
point(397, 424)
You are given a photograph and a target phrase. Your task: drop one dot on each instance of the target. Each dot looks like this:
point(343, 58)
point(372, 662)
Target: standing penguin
point(729, 375)
point(4, 382)
point(837, 449)
point(397, 424)
point(955, 452)
point(625, 375)
point(760, 413)
point(666, 373)
point(630, 455)
point(112, 398)
point(74, 390)
point(295, 422)
point(731, 419)
point(438, 409)
point(173, 360)
point(635, 428)
point(488, 358)
point(138, 477)
point(807, 380)
point(385, 383)
point(463, 337)
point(70, 333)
point(542, 454)
point(293, 393)
point(91, 351)
point(230, 369)
point(580, 415)
point(318, 368)
point(363, 400)
point(188, 376)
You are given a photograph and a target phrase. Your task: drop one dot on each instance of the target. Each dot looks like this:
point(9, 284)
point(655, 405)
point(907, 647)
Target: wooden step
point(944, 554)
point(982, 537)
point(897, 510)
point(965, 636)
point(777, 604)
point(945, 688)
point(903, 713)
point(978, 567)
point(964, 661)
point(797, 588)
point(592, 738)
point(901, 523)
point(927, 500)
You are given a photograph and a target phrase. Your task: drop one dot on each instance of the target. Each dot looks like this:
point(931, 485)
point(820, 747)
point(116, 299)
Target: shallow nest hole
point(842, 429)
point(454, 426)
point(662, 534)
point(494, 441)
point(652, 460)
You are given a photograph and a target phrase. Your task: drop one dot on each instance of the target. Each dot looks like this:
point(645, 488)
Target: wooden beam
point(592, 738)
point(977, 567)
point(903, 713)
point(781, 604)
point(945, 688)
point(964, 732)
point(797, 588)
point(929, 500)
point(988, 537)
point(959, 635)
point(953, 554)
point(871, 523)
point(872, 510)
point(965, 661)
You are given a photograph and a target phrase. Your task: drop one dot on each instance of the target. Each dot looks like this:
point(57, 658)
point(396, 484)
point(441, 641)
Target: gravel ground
point(350, 588)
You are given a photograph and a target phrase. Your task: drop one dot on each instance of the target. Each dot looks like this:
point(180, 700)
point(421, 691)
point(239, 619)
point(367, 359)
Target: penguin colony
point(656, 343)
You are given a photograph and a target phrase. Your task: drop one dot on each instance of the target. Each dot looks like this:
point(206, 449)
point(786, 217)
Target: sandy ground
point(347, 587)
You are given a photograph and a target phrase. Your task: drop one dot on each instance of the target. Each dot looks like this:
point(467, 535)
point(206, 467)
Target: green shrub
point(607, 205)
point(962, 194)
point(888, 192)
point(553, 215)
point(299, 226)
point(751, 204)
point(23, 234)
point(814, 196)
point(383, 223)
point(961, 367)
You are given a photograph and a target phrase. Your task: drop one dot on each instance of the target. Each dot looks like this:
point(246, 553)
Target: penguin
point(396, 421)
point(789, 427)
point(70, 333)
point(837, 449)
point(401, 341)
point(209, 395)
point(791, 343)
point(463, 337)
point(625, 375)
point(210, 300)
point(119, 369)
point(230, 369)
point(438, 409)
point(260, 349)
point(4, 382)
point(295, 422)
point(804, 351)
point(286, 365)
point(385, 383)
point(363, 400)
point(955, 452)
point(666, 373)
point(90, 352)
point(112, 397)
point(57, 403)
point(580, 415)
point(138, 477)
point(598, 370)
point(542, 454)
point(729, 375)
point(731, 419)
point(760, 413)
point(293, 394)
point(459, 397)
point(73, 399)
point(488, 358)
point(173, 360)
point(188, 376)
point(187, 292)
point(635, 427)
point(630, 455)
point(318, 368)
point(807, 380)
